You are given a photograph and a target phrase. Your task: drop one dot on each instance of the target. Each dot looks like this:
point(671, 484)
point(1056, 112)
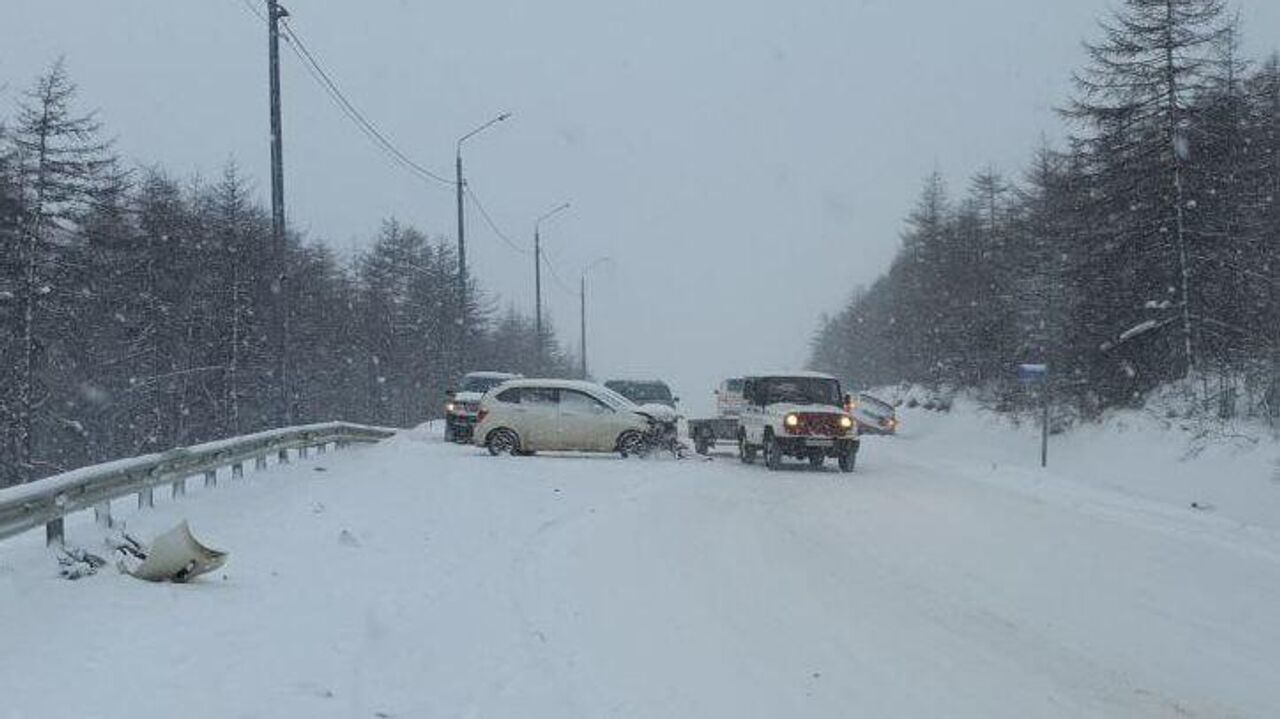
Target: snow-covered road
point(419, 579)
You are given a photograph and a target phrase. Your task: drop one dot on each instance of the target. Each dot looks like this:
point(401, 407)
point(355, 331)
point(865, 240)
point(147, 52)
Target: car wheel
point(848, 459)
point(502, 441)
point(816, 460)
point(772, 453)
point(631, 444)
point(746, 452)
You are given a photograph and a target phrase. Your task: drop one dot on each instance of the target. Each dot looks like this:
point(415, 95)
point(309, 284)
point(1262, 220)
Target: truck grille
point(823, 424)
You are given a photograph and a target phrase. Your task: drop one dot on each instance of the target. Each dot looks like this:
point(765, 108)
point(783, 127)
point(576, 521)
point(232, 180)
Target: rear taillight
point(481, 415)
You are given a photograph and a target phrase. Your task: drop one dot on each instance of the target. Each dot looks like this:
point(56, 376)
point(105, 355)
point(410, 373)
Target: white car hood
point(659, 412)
point(781, 408)
point(467, 396)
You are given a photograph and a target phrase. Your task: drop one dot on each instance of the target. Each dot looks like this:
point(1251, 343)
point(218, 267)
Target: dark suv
point(647, 391)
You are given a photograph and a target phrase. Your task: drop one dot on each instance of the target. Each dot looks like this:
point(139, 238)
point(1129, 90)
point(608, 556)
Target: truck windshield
point(800, 390)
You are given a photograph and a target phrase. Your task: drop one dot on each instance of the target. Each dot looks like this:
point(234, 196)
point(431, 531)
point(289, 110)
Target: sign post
point(1038, 374)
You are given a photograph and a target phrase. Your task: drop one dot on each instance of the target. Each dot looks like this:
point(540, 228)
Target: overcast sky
point(745, 163)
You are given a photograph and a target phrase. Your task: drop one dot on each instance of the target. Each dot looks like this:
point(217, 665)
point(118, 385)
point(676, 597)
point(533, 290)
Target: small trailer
point(706, 432)
point(724, 426)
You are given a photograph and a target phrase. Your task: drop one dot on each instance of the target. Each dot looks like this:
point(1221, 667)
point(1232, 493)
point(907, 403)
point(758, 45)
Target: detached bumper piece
point(175, 556)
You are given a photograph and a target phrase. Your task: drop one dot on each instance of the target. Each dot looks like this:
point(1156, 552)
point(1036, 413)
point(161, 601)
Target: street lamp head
point(485, 126)
point(598, 261)
point(546, 215)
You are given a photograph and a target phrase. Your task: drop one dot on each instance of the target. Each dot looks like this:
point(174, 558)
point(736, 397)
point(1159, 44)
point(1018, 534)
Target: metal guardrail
point(47, 501)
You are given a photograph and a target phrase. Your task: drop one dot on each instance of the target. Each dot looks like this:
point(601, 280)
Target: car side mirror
point(716, 392)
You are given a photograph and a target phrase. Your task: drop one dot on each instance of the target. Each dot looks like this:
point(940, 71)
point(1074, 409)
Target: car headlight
point(792, 420)
point(846, 422)
point(451, 407)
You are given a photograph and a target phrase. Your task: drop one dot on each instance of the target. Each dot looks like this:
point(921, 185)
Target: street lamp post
point(582, 304)
point(537, 273)
point(460, 188)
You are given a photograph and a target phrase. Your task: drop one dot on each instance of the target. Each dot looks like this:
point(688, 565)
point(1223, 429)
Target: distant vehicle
point(464, 403)
point(524, 416)
point(796, 414)
point(647, 391)
point(724, 426)
point(729, 400)
point(873, 415)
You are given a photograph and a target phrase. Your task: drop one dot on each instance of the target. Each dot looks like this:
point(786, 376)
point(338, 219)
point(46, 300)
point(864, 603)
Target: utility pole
point(461, 187)
point(582, 326)
point(537, 290)
point(284, 414)
point(537, 274)
point(582, 318)
point(462, 262)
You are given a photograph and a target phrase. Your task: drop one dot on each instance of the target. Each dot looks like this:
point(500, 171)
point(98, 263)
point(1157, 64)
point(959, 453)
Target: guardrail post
point(146, 498)
point(341, 444)
point(237, 470)
point(211, 478)
point(179, 488)
point(320, 448)
point(54, 533)
point(302, 452)
point(283, 456)
point(102, 514)
point(260, 463)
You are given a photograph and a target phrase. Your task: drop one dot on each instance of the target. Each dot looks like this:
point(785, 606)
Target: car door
point(539, 418)
point(586, 422)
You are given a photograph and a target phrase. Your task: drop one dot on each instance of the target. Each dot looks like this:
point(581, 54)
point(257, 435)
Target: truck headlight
point(846, 422)
point(792, 420)
point(451, 407)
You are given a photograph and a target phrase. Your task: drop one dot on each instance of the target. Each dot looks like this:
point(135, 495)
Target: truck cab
point(796, 414)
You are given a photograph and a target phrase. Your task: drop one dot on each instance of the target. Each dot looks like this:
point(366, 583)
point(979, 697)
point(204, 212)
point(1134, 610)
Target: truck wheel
point(701, 444)
point(746, 452)
point(772, 453)
point(448, 433)
point(848, 459)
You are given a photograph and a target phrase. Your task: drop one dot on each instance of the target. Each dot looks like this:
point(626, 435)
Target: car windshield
point(733, 385)
point(481, 384)
point(641, 392)
point(800, 390)
point(875, 405)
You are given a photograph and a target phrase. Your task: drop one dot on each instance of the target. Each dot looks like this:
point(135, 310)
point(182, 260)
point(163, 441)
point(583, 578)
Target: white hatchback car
point(530, 415)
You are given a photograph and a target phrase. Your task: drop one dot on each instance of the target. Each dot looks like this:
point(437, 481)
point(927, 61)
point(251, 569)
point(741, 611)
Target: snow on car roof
point(556, 383)
point(493, 375)
point(790, 373)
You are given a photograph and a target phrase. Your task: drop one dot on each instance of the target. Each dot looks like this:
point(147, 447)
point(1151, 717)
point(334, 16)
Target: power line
point(362, 122)
point(249, 6)
point(492, 225)
point(551, 268)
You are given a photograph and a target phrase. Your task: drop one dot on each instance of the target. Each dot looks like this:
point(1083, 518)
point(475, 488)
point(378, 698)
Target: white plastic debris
point(174, 556)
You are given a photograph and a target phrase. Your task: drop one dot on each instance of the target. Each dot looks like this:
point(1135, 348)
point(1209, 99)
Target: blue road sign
point(1032, 372)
